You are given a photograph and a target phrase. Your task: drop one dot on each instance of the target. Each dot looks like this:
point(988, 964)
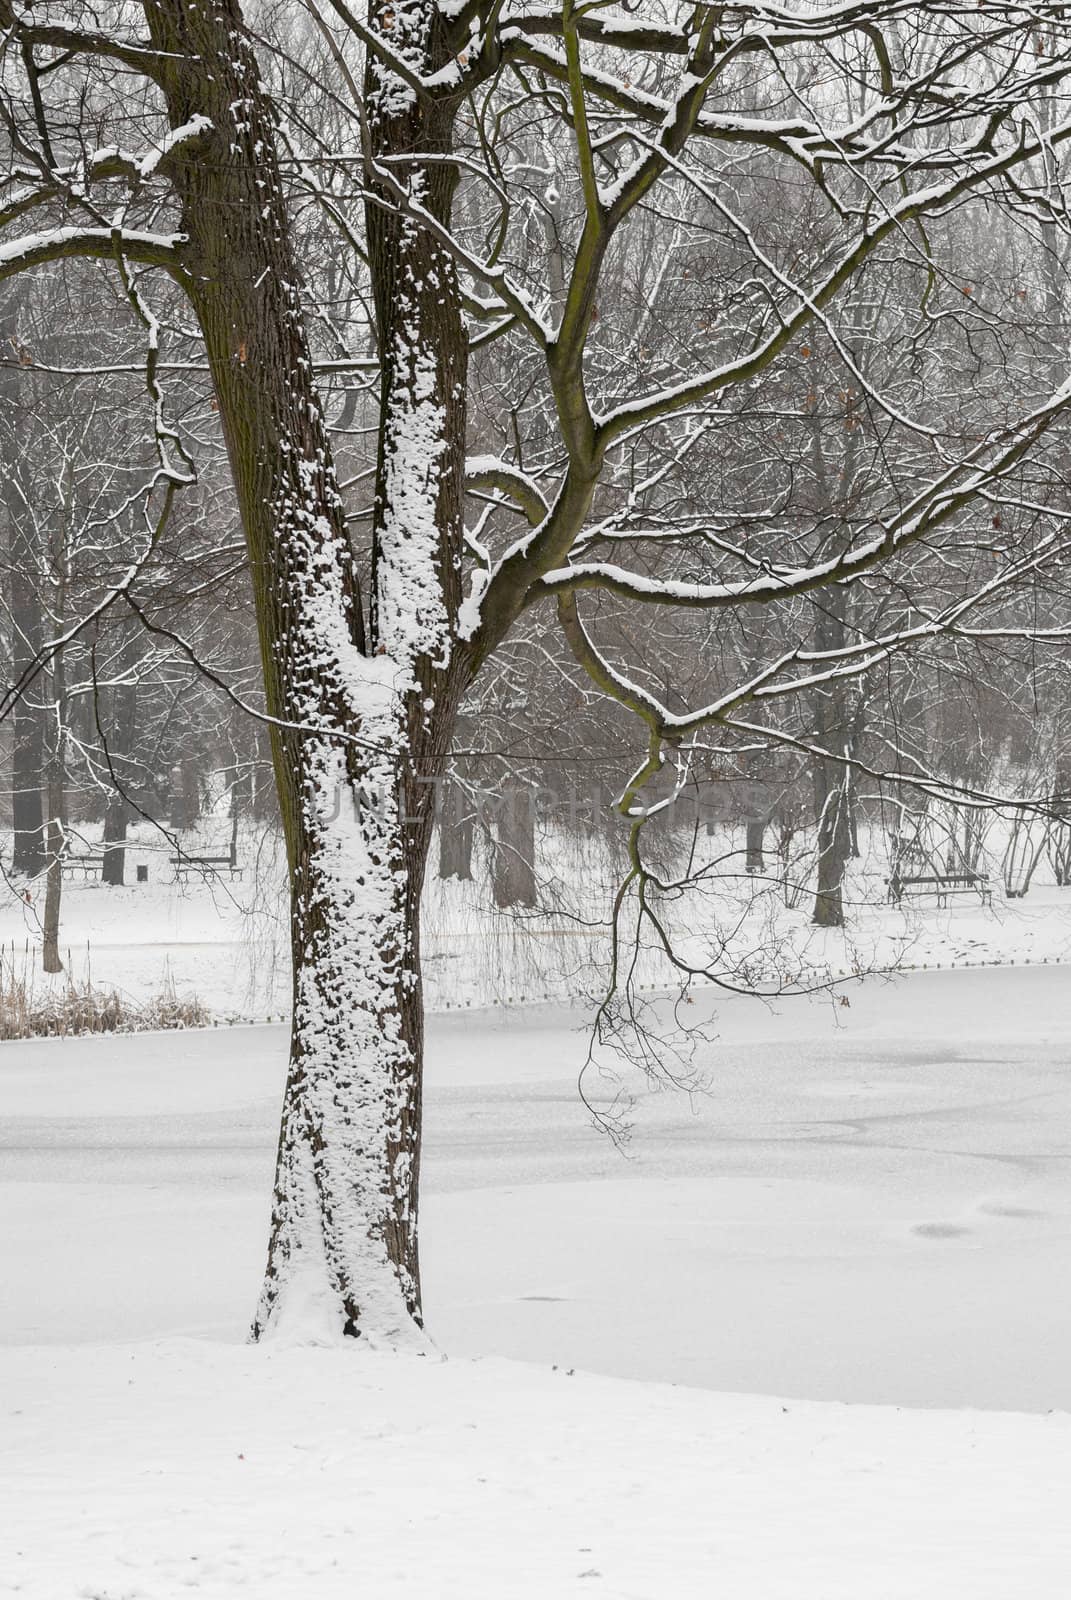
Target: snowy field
point(870, 1204)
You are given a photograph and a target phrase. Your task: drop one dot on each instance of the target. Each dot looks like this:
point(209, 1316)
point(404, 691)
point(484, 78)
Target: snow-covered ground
point(869, 1204)
point(150, 1472)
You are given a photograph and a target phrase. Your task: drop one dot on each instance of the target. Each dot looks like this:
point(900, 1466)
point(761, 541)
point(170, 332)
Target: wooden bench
point(203, 866)
point(88, 866)
point(942, 884)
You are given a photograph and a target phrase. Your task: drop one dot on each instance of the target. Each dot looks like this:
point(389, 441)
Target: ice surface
point(870, 1203)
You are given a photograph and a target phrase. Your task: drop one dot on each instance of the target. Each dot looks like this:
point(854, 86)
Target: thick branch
point(104, 244)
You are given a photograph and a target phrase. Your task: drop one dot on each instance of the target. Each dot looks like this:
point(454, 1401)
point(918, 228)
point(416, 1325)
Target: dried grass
point(34, 1008)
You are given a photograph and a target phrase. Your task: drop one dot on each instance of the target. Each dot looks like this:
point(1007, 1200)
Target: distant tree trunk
point(834, 844)
point(175, 807)
point(456, 828)
point(121, 739)
point(56, 836)
point(754, 795)
point(238, 788)
point(513, 866)
point(28, 738)
point(186, 797)
point(23, 563)
point(832, 778)
point(56, 832)
point(837, 730)
point(113, 865)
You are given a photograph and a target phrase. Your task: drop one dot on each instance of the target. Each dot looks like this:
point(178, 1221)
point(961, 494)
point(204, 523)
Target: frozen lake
point(870, 1202)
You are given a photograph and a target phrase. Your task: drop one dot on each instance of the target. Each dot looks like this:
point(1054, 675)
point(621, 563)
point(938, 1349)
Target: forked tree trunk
point(361, 720)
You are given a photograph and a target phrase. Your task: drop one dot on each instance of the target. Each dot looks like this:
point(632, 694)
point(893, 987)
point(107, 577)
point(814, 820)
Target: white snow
point(308, 1475)
point(412, 613)
point(870, 1205)
point(192, 129)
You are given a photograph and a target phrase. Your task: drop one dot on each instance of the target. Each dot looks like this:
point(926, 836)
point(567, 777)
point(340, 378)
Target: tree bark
point(361, 720)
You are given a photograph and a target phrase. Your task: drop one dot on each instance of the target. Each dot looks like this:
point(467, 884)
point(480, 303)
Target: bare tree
point(375, 618)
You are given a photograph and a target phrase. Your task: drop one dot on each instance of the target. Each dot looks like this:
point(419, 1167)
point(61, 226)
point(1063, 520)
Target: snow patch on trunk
point(413, 619)
point(343, 1213)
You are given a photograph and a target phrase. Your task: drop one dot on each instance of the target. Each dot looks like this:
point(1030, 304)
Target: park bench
point(942, 884)
point(88, 866)
point(186, 866)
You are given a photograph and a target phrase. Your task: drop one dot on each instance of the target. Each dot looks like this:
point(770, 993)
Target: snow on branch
point(489, 472)
point(57, 244)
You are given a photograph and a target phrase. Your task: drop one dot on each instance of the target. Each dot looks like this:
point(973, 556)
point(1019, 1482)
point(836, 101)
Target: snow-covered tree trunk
point(362, 716)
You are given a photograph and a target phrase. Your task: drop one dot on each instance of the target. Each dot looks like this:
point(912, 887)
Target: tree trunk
point(832, 778)
point(754, 859)
point(175, 806)
point(113, 864)
point(239, 787)
point(456, 831)
point(834, 844)
point(513, 871)
point(361, 723)
point(25, 577)
point(190, 792)
point(56, 835)
point(28, 728)
point(117, 811)
point(56, 832)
